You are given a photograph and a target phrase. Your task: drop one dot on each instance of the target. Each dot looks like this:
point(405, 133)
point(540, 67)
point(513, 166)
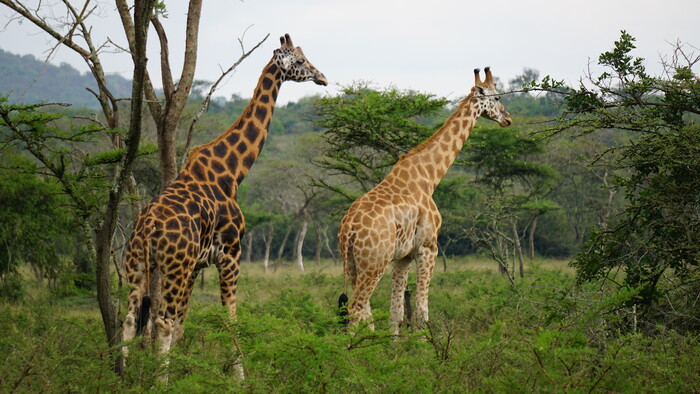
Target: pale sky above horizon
point(427, 46)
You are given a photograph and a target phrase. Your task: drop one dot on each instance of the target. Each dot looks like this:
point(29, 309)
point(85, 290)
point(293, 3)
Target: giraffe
point(196, 221)
point(398, 220)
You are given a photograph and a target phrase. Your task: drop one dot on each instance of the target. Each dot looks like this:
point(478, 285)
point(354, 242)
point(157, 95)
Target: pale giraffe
point(398, 220)
point(196, 221)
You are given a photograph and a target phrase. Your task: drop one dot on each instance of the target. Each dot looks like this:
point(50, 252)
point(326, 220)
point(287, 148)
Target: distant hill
point(29, 80)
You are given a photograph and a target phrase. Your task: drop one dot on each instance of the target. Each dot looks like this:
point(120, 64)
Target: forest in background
point(513, 193)
point(286, 176)
point(604, 174)
point(29, 80)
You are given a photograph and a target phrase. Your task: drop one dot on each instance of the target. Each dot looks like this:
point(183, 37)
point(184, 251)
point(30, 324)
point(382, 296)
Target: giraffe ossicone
point(398, 222)
point(196, 221)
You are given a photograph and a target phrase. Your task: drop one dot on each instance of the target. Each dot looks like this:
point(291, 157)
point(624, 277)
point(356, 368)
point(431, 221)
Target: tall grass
point(544, 335)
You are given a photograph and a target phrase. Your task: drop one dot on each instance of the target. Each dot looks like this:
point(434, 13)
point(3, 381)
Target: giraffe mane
point(423, 145)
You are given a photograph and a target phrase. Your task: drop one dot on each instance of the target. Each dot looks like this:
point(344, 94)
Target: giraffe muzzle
point(321, 80)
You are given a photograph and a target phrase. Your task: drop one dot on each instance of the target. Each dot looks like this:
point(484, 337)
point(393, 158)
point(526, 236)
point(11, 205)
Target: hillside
point(29, 80)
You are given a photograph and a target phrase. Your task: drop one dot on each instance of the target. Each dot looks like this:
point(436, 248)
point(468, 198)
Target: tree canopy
point(655, 240)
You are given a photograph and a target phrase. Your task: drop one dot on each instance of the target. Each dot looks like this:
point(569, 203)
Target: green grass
point(483, 336)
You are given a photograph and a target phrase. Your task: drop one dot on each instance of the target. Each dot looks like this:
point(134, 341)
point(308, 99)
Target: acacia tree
point(655, 240)
point(515, 188)
point(367, 131)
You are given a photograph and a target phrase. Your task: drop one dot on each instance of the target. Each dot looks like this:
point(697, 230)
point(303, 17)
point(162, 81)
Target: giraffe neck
point(433, 157)
point(247, 135)
point(228, 158)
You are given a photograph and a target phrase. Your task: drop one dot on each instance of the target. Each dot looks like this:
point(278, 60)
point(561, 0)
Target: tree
point(368, 130)
point(515, 188)
point(655, 240)
point(34, 220)
point(583, 190)
point(32, 128)
point(73, 31)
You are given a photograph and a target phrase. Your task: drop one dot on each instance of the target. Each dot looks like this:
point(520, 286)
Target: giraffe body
point(398, 222)
point(196, 221)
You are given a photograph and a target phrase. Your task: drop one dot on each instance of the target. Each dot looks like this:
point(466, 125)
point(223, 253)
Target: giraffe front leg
point(164, 338)
point(228, 281)
point(426, 263)
point(399, 279)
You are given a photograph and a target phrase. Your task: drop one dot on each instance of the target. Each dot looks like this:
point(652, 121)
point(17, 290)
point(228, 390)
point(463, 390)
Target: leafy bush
point(544, 335)
point(12, 287)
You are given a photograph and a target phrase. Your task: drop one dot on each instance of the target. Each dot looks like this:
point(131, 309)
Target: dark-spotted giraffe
point(398, 220)
point(196, 220)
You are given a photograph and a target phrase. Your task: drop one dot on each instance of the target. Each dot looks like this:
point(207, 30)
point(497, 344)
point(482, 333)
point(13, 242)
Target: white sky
point(431, 46)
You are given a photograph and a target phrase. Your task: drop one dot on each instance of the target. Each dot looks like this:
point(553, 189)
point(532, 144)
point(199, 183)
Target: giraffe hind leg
point(399, 280)
point(426, 263)
point(136, 318)
point(360, 308)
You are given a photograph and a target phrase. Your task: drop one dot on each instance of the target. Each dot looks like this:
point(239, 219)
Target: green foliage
point(515, 185)
point(522, 105)
point(502, 156)
point(12, 287)
point(54, 145)
point(483, 336)
point(115, 156)
point(34, 223)
point(656, 237)
point(368, 130)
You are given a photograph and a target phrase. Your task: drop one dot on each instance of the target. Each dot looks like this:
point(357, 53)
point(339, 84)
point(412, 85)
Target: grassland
point(544, 335)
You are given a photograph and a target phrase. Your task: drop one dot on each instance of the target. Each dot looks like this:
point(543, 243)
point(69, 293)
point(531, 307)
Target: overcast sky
point(431, 46)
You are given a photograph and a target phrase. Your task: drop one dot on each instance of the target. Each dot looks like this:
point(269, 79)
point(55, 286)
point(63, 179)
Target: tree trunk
point(531, 238)
point(319, 242)
point(280, 251)
point(268, 245)
point(103, 241)
point(442, 249)
point(327, 243)
point(518, 252)
point(38, 273)
point(167, 115)
point(300, 241)
point(248, 246)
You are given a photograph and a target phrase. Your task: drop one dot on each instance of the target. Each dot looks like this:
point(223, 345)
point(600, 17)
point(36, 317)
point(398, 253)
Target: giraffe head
point(488, 99)
point(294, 65)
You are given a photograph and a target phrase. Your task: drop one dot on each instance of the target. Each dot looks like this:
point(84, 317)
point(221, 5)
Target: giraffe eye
point(498, 98)
point(299, 62)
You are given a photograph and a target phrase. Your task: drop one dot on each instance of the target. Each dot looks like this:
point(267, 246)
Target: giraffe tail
point(144, 314)
point(145, 308)
point(343, 309)
point(343, 301)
